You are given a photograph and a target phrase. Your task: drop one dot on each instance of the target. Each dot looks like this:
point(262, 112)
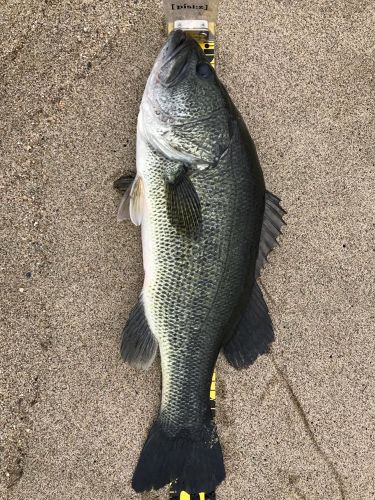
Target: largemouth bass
point(208, 224)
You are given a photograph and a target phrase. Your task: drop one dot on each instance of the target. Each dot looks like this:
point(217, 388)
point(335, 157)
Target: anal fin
point(138, 345)
point(254, 333)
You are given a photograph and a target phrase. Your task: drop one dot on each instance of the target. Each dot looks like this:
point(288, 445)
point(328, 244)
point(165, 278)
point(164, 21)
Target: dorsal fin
point(271, 228)
point(253, 335)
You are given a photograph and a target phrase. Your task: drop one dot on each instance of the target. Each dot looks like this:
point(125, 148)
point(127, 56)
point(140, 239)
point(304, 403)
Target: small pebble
point(21, 290)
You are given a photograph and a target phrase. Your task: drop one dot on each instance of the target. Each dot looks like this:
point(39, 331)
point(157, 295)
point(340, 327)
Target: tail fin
point(191, 458)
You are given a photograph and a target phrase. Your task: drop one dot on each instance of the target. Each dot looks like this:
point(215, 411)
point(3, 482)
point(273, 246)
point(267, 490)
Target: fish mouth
point(176, 57)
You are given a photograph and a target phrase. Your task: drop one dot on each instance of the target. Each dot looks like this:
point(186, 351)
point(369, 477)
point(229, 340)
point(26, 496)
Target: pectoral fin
point(137, 201)
point(132, 203)
point(124, 182)
point(184, 208)
point(124, 207)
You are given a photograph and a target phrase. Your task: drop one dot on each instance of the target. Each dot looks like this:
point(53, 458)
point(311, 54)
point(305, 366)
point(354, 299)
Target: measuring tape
point(185, 496)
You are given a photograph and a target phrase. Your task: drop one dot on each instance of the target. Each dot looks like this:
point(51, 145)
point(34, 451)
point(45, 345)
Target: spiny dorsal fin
point(271, 229)
point(138, 345)
point(184, 208)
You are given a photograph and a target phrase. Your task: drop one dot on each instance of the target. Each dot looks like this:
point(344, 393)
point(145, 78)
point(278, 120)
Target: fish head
point(184, 112)
point(183, 83)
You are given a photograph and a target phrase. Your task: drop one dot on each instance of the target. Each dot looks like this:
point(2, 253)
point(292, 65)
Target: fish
point(207, 226)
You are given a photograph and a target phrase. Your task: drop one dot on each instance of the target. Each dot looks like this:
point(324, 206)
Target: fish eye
point(205, 71)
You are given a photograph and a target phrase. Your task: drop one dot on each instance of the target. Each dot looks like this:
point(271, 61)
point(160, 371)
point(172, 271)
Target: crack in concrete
point(308, 429)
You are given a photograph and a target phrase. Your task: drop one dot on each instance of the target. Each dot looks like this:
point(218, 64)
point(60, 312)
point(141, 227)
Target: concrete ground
point(300, 423)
